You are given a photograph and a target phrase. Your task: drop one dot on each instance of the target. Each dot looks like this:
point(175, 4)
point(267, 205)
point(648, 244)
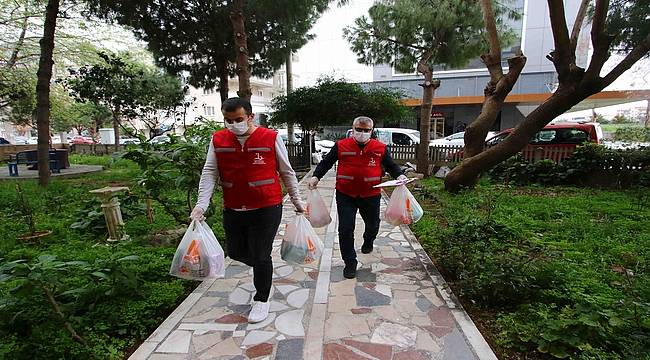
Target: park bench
point(23, 158)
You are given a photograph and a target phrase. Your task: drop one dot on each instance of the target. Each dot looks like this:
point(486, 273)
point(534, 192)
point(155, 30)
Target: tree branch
point(561, 56)
point(375, 33)
point(632, 57)
point(57, 311)
point(577, 25)
point(599, 39)
point(492, 60)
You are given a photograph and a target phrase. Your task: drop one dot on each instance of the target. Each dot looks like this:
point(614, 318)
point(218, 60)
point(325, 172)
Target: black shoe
point(366, 248)
point(350, 271)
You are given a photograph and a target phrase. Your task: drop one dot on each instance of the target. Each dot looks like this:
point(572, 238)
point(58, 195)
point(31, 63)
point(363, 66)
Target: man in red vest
point(249, 161)
point(362, 161)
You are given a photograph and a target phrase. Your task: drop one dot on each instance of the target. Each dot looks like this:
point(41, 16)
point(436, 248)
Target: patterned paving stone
point(277, 306)
point(455, 348)
point(285, 289)
point(263, 324)
point(284, 271)
point(203, 342)
point(423, 304)
point(394, 334)
point(333, 351)
point(257, 336)
point(227, 347)
point(412, 355)
point(381, 352)
point(366, 275)
point(259, 350)
point(367, 297)
point(342, 325)
point(240, 297)
point(290, 349)
point(358, 311)
point(298, 298)
point(232, 319)
point(290, 323)
point(177, 342)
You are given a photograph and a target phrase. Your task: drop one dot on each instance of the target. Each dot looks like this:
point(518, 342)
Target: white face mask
point(361, 137)
point(238, 128)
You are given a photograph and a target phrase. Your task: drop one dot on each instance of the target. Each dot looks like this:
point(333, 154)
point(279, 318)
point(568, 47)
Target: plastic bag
point(301, 245)
point(199, 255)
point(317, 211)
point(402, 208)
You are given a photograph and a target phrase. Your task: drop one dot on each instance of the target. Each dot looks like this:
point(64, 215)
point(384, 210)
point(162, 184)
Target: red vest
point(359, 170)
point(248, 175)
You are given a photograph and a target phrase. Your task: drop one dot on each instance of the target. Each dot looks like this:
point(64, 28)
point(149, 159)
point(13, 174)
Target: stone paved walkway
point(397, 308)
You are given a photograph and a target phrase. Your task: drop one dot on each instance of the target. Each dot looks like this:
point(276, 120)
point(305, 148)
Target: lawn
point(112, 295)
point(546, 271)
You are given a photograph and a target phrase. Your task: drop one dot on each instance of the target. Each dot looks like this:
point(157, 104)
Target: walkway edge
point(479, 345)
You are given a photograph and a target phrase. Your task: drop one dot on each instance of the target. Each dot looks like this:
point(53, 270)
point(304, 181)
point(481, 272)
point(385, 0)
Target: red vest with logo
point(359, 169)
point(248, 174)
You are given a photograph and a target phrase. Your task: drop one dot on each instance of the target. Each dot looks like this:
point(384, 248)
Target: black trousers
point(249, 238)
point(347, 207)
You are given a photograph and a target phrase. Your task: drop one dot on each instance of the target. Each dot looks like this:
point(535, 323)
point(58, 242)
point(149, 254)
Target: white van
point(395, 136)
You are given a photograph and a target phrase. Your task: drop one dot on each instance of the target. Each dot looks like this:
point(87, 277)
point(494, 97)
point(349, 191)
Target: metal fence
point(299, 156)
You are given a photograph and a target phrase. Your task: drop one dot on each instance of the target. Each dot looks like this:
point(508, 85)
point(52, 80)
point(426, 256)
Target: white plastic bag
point(402, 208)
point(317, 211)
point(301, 245)
point(199, 255)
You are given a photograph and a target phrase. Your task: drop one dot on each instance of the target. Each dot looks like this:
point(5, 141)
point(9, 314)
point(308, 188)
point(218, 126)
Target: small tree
point(416, 36)
point(620, 26)
point(125, 87)
point(335, 102)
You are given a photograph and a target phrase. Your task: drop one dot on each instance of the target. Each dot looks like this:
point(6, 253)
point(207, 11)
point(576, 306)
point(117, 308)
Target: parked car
point(4, 141)
point(457, 139)
point(297, 134)
point(129, 141)
point(32, 140)
point(20, 140)
point(83, 140)
point(558, 135)
point(324, 146)
point(160, 139)
point(395, 136)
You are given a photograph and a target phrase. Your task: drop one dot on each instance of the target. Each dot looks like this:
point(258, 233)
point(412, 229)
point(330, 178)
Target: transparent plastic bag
point(199, 255)
point(301, 245)
point(402, 208)
point(317, 211)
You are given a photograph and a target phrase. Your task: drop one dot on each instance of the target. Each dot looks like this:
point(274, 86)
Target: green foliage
point(621, 119)
point(590, 165)
point(91, 218)
point(113, 296)
point(336, 102)
point(632, 134)
point(170, 29)
point(627, 21)
point(401, 32)
point(126, 87)
point(556, 271)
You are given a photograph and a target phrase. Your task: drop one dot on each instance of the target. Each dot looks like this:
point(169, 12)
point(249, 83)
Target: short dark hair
point(235, 103)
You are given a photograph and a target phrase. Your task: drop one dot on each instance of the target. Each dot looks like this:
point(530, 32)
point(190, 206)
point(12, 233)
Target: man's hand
point(313, 183)
point(301, 208)
point(402, 177)
point(197, 214)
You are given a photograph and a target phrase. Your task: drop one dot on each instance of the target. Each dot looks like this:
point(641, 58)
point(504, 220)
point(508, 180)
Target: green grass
point(591, 272)
point(611, 128)
point(111, 324)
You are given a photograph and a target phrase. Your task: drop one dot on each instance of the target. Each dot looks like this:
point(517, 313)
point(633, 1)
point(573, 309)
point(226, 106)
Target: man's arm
point(389, 165)
point(287, 174)
point(208, 179)
point(328, 161)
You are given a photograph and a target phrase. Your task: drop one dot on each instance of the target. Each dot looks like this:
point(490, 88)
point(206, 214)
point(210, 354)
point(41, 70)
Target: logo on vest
point(372, 162)
point(259, 159)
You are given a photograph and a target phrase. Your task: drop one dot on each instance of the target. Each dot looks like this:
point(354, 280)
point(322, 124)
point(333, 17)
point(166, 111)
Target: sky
point(329, 53)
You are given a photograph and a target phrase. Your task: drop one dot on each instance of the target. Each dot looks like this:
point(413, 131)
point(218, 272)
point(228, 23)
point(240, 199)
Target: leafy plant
point(91, 218)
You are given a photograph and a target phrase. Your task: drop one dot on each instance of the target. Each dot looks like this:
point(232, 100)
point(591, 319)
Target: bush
point(590, 165)
point(632, 134)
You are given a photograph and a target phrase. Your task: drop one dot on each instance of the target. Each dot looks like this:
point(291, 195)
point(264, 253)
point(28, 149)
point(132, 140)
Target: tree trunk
point(116, 127)
point(241, 49)
point(428, 87)
point(43, 92)
point(647, 114)
point(289, 90)
point(223, 82)
point(467, 173)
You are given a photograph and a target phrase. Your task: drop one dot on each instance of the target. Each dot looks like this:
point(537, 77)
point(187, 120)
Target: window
point(497, 139)
point(544, 137)
point(208, 91)
point(260, 93)
point(401, 139)
point(572, 136)
point(208, 111)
